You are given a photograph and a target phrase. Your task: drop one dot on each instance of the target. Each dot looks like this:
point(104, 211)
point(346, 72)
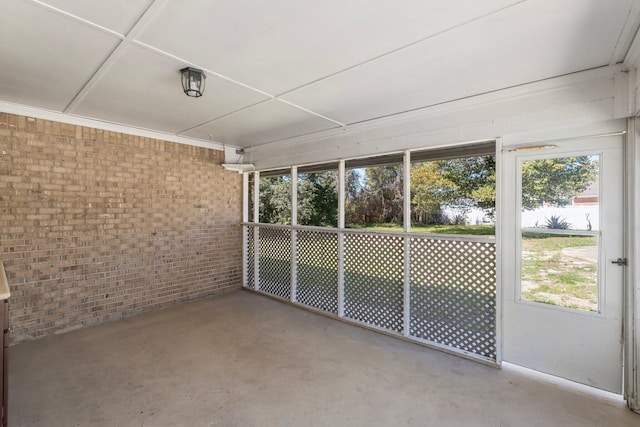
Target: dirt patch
point(585, 253)
point(563, 276)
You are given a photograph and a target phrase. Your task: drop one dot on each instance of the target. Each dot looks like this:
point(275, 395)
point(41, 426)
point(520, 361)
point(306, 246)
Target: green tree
point(463, 183)
point(318, 198)
point(556, 181)
point(383, 191)
point(275, 200)
point(475, 180)
point(354, 205)
point(374, 195)
point(429, 190)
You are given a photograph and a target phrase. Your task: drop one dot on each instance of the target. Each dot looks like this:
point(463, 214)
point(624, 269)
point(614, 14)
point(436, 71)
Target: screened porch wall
point(435, 290)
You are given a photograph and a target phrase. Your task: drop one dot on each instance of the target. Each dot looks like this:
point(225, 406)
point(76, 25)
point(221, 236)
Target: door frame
point(631, 307)
point(505, 235)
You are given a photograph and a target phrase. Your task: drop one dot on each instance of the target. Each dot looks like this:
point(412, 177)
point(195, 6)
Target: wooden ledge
point(4, 285)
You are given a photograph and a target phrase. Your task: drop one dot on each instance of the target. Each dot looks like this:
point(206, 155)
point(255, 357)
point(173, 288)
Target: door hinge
point(620, 261)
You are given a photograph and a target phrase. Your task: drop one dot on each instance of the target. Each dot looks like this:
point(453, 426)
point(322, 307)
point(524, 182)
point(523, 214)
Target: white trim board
point(570, 386)
point(39, 113)
point(632, 279)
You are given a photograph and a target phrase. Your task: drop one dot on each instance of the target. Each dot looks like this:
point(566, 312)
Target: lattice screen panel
point(373, 289)
point(453, 294)
point(251, 283)
point(275, 262)
point(317, 262)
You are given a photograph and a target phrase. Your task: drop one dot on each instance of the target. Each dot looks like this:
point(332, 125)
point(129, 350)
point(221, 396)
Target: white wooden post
point(407, 243)
point(256, 230)
point(294, 233)
point(245, 218)
point(341, 202)
point(498, 249)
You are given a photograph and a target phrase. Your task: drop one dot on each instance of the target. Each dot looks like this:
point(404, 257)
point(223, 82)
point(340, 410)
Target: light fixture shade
point(239, 167)
point(193, 81)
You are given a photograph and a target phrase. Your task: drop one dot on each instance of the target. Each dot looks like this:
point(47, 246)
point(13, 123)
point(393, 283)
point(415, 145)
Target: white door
point(563, 293)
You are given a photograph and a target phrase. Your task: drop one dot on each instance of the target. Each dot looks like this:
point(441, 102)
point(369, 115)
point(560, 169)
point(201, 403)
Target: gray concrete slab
point(244, 360)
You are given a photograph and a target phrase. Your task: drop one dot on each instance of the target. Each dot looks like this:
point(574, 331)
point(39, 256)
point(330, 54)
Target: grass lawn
point(560, 270)
point(472, 230)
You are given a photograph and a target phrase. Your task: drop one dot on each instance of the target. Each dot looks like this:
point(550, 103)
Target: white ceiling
point(284, 68)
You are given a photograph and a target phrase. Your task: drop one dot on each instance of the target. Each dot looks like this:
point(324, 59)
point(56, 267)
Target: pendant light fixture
point(193, 81)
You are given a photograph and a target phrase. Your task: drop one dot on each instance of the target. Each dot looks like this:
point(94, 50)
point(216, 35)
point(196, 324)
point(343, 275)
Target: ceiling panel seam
point(487, 98)
point(222, 116)
point(401, 48)
point(156, 5)
point(463, 98)
point(624, 33)
point(230, 80)
point(286, 139)
point(76, 18)
point(239, 110)
point(284, 101)
point(194, 65)
point(144, 19)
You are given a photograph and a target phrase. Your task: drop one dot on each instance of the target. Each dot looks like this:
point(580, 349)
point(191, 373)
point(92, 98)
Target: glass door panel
point(559, 244)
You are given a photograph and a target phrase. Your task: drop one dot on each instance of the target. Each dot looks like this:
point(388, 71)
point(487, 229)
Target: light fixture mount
point(193, 81)
point(239, 167)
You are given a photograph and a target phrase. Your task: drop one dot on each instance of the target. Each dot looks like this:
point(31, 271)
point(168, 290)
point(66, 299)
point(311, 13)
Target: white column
point(245, 218)
point(498, 248)
point(256, 230)
point(294, 233)
point(341, 202)
point(407, 243)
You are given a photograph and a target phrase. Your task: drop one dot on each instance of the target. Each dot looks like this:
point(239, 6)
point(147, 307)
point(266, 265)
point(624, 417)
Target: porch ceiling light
point(193, 81)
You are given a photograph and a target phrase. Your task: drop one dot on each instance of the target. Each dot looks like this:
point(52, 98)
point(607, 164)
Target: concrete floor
point(244, 360)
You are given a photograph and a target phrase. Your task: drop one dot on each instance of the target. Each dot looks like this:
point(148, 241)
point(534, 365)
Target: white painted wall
point(473, 216)
point(574, 215)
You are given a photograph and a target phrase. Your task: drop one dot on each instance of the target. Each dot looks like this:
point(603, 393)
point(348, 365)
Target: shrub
point(457, 219)
point(556, 222)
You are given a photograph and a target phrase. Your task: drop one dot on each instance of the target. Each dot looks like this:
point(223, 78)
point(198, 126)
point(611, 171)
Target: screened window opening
point(452, 191)
point(250, 197)
point(453, 195)
point(275, 197)
point(318, 196)
point(374, 196)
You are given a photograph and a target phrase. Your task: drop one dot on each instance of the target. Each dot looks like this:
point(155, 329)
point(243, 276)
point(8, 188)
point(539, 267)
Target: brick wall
point(98, 225)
